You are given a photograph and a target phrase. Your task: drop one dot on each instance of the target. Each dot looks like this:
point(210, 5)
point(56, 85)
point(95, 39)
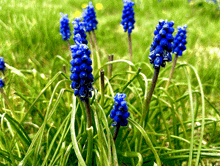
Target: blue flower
point(128, 16)
point(79, 29)
point(1, 83)
point(89, 18)
point(161, 48)
point(180, 41)
point(119, 113)
point(2, 64)
point(64, 27)
point(81, 69)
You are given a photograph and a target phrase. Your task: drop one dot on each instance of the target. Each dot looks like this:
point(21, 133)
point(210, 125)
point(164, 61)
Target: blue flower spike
point(180, 41)
point(119, 113)
point(161, 48)
point(89, 18)
point(64, 27)
point(2, 64)
point(81, 69)
point(128, 16)
point(79, 29)
point(1, 83)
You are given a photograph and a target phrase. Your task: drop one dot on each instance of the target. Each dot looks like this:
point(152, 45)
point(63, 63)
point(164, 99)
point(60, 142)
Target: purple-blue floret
point(81, 70)
point(128, 16)
point(64, 27)
point(1, 83)
point(89, 18)
point(161, 47)
point(119, 113)
point(179, 43)
point(79, 29)
point(2, 64)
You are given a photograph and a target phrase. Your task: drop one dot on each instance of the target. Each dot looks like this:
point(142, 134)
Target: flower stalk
point(130, 47)
point(102, 82)
point(64, 69)
point(110, 58)
point(130, 53)
point(178, 48)
point(171, 72)
point(150, 93)
point(68, 43)
point(89, 132)
point(117, 127)
point(91, 47)
point(97, 49)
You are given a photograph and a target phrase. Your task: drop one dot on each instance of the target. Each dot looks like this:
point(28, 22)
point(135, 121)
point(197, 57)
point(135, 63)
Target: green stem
point(129, 149)
point(172, 71)
point(131, 155)
point(89, 131)
point(73, 135)
point(147, 139)
point(192, 124)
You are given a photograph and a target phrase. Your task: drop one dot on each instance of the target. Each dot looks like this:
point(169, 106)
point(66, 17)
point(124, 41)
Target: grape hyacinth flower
point(1, 83)
point(128, 16)
point(2, 64)
point(89, 17)
point(82, 84)
point(64, 27)
point(81, 69)
point(119, 113)
point(178, 48)
point(160, 53)
point(128, 24)
point(79, 29)
point(161, 48)
point(90, 23)
point(180, 41)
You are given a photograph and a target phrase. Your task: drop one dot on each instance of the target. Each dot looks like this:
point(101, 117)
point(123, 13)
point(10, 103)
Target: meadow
point(44, 124)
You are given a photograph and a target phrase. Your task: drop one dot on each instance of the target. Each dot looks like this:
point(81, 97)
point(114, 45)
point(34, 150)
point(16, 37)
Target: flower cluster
point(180, 41)
point(128, 16)
point(1, 83)
point(2, 64)
point(79, 29)
point(120, 113)
point(161, 48)
point(81, 69)
point(64, 27)
point(89, 18)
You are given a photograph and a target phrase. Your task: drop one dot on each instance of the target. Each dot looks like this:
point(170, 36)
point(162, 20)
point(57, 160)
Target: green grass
point(182, 125)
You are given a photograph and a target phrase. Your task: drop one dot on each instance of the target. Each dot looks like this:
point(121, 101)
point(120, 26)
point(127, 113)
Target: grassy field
point(182, 125)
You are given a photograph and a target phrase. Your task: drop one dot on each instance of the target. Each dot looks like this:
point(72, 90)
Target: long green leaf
point(73, 134)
